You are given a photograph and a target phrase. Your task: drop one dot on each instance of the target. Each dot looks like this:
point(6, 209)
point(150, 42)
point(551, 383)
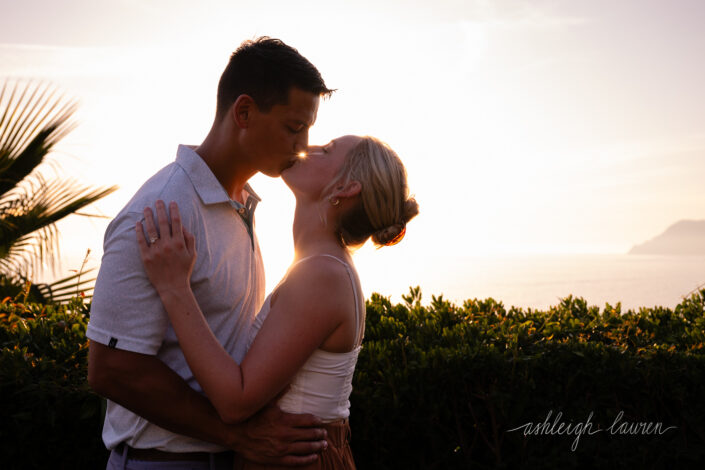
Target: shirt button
point(241, 210)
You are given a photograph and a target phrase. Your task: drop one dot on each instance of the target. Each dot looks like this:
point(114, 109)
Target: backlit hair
point(385, 206)
point(266, 69)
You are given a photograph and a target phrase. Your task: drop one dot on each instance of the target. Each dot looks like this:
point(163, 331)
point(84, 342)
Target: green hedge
point(437, 386)
point(441, 386)
point(50, 418)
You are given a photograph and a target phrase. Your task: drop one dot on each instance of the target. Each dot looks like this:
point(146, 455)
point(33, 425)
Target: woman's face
point(311, 174)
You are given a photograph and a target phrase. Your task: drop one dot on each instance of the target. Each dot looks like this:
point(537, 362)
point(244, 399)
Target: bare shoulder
point(323, 264)
point(321, 284)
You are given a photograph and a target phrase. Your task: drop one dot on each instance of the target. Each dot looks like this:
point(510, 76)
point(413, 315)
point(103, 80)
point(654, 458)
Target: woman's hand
point(170, 253)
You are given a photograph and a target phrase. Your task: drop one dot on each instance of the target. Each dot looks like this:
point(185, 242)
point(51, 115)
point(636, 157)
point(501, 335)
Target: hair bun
point(411, 209)
point(387, 235)
point(395, 233)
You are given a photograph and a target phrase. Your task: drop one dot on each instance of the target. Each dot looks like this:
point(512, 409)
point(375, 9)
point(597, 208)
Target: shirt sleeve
point(126, 311)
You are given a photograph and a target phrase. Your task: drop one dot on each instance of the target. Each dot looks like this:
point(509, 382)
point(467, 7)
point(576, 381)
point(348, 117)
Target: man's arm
point(146, 386)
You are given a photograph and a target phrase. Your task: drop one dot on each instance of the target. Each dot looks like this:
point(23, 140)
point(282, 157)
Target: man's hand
point(274, 437)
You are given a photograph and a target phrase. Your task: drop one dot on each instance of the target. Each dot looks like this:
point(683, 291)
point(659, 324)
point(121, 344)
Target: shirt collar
point(204, 181)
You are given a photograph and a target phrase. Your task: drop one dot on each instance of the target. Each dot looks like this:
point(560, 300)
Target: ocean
point(540, 281)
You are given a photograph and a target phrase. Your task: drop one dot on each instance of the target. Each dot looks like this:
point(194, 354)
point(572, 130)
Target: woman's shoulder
point(324, 268)
point(324, 279)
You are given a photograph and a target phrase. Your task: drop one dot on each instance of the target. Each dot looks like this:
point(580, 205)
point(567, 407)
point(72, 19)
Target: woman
point(309, 330)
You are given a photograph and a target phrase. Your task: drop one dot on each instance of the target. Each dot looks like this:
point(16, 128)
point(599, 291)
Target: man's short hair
point(266, 69)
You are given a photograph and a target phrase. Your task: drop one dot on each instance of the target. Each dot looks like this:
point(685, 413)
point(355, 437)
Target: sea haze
point(539, 281)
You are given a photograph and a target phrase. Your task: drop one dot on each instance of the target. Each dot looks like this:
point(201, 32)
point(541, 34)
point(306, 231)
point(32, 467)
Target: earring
point(334, 202)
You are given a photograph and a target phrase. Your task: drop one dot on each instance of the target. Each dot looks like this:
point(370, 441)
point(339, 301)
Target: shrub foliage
point(441, 386)
point(437, 386)
point(50, 418)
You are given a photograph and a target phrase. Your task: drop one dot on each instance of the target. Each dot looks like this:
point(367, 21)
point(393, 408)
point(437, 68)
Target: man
point(268, 99)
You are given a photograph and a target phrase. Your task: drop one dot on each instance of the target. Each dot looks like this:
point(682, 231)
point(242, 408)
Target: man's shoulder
point(171, 183)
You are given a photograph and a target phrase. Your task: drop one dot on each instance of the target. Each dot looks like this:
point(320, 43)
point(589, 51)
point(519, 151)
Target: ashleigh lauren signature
point(618, 427)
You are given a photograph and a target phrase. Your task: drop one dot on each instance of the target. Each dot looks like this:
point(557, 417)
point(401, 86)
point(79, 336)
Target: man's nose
point(301, 144)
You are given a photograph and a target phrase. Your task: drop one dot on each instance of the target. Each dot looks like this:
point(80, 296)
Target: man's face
point(276, 137)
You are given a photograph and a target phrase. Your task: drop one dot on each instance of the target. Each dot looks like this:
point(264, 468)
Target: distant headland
point(685, 237)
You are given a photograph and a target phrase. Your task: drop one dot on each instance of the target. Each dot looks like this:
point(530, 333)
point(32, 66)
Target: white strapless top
point(323, 385)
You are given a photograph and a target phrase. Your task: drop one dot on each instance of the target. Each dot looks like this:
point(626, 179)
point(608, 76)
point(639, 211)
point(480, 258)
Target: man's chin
point(287, 167)
point(272, 173)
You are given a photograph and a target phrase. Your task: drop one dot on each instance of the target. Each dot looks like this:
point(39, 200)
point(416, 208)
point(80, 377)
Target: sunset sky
point(526, 127)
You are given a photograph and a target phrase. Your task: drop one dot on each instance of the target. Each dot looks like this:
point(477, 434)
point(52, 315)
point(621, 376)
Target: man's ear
point(242, 111)
point(349, 189)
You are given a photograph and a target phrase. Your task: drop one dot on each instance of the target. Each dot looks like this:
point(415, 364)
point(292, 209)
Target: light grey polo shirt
point(227, 280)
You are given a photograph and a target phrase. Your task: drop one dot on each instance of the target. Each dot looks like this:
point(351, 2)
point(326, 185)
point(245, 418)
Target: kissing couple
point(200, 371)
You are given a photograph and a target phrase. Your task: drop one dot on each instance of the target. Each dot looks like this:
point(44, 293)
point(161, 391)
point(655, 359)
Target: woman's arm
point(299, 321)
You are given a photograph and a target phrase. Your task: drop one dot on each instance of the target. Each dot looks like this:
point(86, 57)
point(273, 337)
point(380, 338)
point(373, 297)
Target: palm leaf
point(68, 287)
point(32, 120)
point(60, 291)
point(27, 222)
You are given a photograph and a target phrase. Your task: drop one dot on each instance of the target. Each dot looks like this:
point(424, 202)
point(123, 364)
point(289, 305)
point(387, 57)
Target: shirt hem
point(117, 341)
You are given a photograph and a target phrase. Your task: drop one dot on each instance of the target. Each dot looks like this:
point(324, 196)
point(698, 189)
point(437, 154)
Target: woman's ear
point(242, 111)
point(349, 189)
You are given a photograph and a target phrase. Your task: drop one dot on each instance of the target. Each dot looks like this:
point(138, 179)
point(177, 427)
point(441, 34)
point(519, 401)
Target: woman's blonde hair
point(385, 206)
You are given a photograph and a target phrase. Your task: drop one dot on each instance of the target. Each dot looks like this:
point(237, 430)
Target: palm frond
point(68, 287)
point(59, 291)
point(33, 121)
point(33, 118)
point(27, 221)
